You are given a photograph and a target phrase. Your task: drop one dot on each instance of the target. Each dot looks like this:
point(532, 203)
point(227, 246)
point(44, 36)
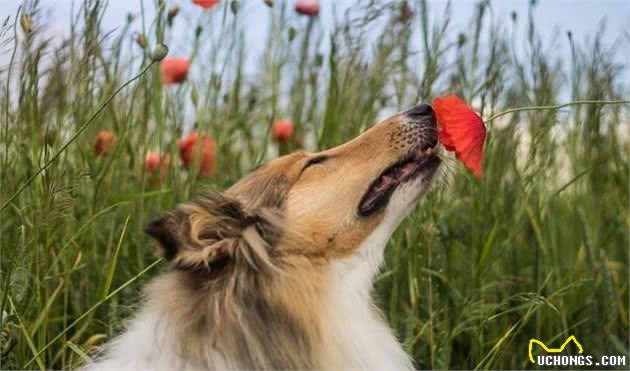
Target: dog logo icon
point(553, 350)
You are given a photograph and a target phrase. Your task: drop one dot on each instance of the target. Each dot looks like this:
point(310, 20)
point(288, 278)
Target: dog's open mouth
point(419, 162)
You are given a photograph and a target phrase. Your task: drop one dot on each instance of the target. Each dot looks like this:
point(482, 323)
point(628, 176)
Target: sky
point(553, 17)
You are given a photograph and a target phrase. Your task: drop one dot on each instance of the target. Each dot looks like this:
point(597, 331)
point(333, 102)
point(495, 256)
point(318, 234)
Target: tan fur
point(272, 322)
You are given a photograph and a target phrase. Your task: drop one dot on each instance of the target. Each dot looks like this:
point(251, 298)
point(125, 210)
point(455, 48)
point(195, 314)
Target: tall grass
point(537, 248)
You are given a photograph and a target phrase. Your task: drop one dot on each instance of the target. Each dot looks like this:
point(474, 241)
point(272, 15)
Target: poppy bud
point(461, 39)
point(406, 14)
point(282, 130)
point(172, 13)
point(235, 6)
point(292, 33)
point(159, 53)
point(26, 22)
point(307, 7)
point(104, 143)
point(141, 40)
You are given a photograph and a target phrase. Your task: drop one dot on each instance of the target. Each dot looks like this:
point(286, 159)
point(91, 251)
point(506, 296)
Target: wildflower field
point(98, 134)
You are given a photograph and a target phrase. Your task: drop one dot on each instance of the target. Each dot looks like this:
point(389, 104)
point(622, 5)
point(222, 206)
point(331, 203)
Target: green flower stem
point(92, 308)
point(558, 106)
point(75, 136)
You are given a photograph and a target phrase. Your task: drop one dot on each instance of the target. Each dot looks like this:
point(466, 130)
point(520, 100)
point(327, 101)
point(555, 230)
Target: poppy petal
point(461, 130)
point(206, 4)
point(188, 150)
point(282, 130)
point(174, 70)
point(307, 7)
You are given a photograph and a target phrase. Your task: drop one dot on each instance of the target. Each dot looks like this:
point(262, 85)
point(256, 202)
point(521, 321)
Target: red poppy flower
point(186, 148)
point(104, 143)
point(282, 130)
point(307, 7)
point(189, 148)
point(206, 4)
point(461, 130)
point(157, 162)
point(174, 70)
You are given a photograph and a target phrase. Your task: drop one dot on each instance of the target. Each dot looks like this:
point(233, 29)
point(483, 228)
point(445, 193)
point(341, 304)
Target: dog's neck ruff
point(354, 334)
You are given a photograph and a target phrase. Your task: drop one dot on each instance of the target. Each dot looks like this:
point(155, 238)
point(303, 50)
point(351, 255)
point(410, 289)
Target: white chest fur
point(364, 338)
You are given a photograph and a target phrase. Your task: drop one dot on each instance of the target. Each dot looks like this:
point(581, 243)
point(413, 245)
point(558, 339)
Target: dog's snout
point(421, 111)
point(420, 126)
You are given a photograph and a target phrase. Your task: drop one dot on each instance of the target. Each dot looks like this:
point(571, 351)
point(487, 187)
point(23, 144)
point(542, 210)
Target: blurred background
point(536, 248)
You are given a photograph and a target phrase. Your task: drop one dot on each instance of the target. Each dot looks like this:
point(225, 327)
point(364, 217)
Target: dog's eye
point(314, 161)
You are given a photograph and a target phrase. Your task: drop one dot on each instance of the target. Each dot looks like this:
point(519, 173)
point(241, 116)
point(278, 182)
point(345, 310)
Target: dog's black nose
point(422, 119)
point(420, 111)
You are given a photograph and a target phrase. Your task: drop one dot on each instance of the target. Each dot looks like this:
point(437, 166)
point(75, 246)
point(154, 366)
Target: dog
point(276, 272)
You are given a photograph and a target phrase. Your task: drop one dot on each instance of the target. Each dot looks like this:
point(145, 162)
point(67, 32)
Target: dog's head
point(308, 204)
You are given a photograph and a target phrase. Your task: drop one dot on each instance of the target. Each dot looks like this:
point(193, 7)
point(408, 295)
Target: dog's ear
point(214, 231)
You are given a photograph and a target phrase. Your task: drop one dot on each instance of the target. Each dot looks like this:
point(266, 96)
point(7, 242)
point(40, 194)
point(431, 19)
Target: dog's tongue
point(389, 181)
point(461, 130)
point(408, 169)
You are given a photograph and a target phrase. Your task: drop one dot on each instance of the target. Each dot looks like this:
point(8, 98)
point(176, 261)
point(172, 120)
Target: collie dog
point(276, 272)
